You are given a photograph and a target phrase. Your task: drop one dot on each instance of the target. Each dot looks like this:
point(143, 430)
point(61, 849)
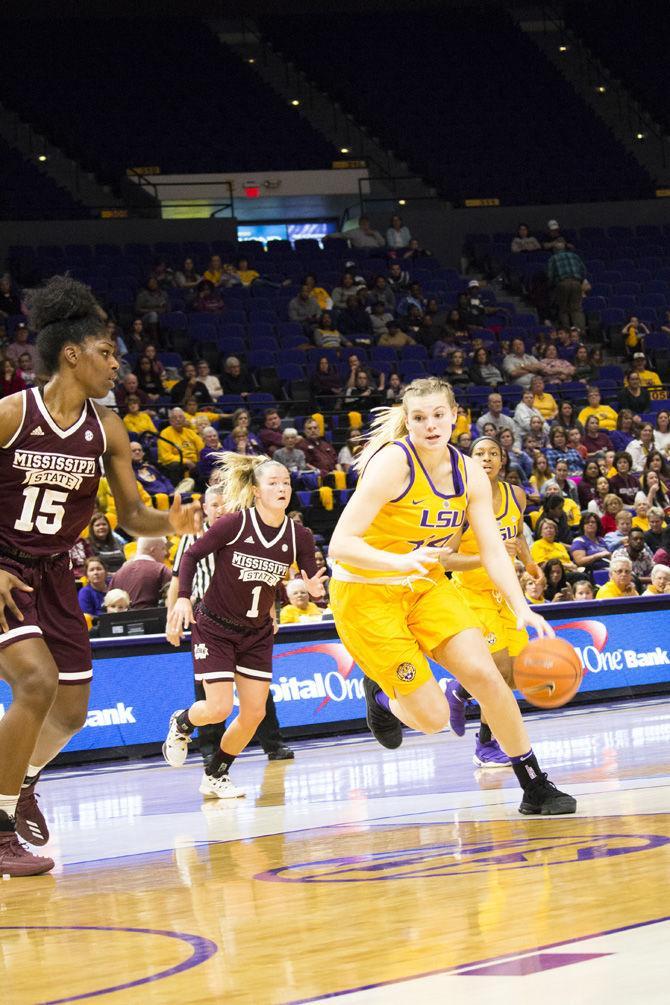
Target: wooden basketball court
point(355, 874)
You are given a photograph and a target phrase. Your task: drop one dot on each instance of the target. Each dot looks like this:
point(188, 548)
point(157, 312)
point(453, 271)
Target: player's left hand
point(316, 586)
point(529, 619)
point(185, 519)
point(179, 621)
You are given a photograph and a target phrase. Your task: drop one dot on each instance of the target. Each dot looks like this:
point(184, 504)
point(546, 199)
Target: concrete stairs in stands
point(323, 113)
point(606, 95)
point(82, 185)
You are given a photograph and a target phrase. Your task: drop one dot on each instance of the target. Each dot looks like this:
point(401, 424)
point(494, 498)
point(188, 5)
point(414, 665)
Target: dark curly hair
point(63, 311)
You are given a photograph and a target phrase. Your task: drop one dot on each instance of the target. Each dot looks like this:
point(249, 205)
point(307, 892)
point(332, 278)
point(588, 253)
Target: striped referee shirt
point(204, 569)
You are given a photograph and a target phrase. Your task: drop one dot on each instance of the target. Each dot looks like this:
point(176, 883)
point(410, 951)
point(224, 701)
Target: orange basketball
point(548, 672)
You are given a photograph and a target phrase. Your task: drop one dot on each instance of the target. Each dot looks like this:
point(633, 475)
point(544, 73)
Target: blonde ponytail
point(237, 474)
point(391, 423)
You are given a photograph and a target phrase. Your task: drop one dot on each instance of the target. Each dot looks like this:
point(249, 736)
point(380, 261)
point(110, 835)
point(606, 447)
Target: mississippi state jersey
point(49, 478)
point(421, 517)
point(250, 560)
point(509, 518)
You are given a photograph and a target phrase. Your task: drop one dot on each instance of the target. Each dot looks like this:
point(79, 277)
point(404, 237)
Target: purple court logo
point(460, 859)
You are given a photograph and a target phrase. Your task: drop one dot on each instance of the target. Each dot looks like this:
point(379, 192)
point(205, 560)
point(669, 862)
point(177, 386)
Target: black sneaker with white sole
point(383, 724)
point(542, 798)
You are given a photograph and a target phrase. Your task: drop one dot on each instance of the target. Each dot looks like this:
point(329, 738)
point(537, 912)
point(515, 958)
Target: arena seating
point(28, 194)
point(628, 268)
point(187, 104)
point(439, 90)
point(633, 43)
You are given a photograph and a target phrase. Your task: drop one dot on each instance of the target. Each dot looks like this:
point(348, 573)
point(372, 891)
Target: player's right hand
point(179, 621)
point(8, 582)
point(419, 561)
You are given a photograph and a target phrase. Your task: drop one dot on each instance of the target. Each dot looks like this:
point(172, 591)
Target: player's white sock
point(32, 771)
point(8, 804)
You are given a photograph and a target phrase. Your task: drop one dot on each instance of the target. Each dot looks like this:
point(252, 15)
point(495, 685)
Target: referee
point(267, 734)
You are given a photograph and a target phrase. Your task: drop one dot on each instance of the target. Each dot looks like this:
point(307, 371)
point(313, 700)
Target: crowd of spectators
point(593, 459)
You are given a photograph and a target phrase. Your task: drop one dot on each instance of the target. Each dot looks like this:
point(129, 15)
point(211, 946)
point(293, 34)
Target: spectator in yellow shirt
point(648, 378)
point(198, 418)
point(321, 296)
point(462, 424)
point(543, 402)
point(604, 413)
point(547, 546)
point(245, 275)
point(572, 511)
point(135, 420)
point(620, 582)
point(176, 438)
point(300, 607)
point(214, 271)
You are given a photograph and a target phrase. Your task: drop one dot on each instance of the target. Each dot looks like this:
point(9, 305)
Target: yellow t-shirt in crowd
point(291, 615)
point(546, 405)
point(186, 439)
point(213, 276)
point(247, 276)
point(211, 417)
point(138, 423)
point(542, 551)
point(572, 511)
point(648, 378)
point(610, 591)
point(642, 522)
point(462, 425)
point(606, 416)
point(322, 297)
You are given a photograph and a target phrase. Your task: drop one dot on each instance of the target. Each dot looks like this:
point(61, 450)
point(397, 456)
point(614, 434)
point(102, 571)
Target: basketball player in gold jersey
point(482, 596)
point(392, 601)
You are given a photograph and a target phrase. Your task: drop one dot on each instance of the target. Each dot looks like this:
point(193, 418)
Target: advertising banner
point(316, 682)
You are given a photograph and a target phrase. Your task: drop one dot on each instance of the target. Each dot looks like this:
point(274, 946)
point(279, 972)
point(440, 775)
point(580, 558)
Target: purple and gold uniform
point(233, 632)
point(387, 621)
point(480, 592)
point(50, 480)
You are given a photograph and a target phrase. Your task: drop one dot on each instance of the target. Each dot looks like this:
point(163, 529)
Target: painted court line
point(462, 968)
point(202, 950)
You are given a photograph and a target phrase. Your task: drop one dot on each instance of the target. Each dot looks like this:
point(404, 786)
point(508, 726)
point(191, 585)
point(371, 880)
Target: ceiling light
point(42, 157)
point(295, 102)
point(402, 202)
point(562, 48)
point(344, 150)
point(639, 136)
point(601, 89)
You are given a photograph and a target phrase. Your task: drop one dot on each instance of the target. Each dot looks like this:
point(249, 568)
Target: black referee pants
point(267, 734)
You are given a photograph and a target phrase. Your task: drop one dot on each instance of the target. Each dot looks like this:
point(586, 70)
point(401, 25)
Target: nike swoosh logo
point(538, 688)
point(417, 502)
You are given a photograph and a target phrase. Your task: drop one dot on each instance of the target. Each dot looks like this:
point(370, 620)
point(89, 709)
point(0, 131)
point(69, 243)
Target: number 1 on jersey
point(253, 610)
point(49, 507)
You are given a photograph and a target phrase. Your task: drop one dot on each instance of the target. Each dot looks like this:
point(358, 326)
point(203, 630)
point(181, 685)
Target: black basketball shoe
point(542, 798)
point(384, 726)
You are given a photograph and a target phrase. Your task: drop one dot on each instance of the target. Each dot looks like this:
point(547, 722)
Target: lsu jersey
point(420, 517)
point(508, 518)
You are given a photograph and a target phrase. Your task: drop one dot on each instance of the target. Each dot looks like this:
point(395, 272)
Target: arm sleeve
point(305, 557)
point(222, 533)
